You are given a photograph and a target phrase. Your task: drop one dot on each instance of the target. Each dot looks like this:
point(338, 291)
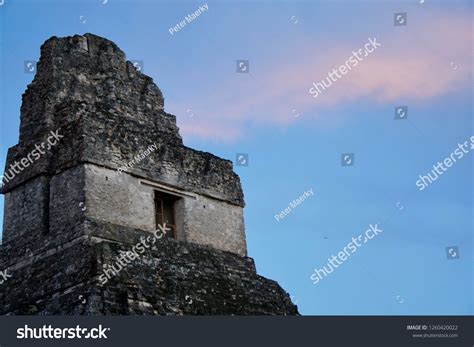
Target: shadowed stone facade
point(80, 204)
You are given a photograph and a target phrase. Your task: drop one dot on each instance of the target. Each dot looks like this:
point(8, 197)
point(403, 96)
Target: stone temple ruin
point(75, 212)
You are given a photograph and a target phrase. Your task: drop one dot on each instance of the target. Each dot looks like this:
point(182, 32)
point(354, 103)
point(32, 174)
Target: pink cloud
point(214, 132)
point(413, 66)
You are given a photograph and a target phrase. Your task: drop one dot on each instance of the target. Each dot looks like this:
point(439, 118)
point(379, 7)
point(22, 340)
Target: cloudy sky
point(294, 142)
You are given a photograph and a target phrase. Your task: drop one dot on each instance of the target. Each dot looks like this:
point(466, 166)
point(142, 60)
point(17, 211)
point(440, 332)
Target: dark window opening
point(165, 212)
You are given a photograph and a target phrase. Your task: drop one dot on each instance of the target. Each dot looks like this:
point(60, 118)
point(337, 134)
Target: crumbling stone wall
point(26, 206)
point(171, 278)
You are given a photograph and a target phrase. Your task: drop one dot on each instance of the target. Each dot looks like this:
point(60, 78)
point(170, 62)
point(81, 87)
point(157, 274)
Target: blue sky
point(295, 141)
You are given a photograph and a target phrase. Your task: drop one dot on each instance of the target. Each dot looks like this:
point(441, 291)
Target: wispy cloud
point(414, 66)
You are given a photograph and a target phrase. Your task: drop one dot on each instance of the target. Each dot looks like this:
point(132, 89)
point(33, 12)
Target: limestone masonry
point(118, 171)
